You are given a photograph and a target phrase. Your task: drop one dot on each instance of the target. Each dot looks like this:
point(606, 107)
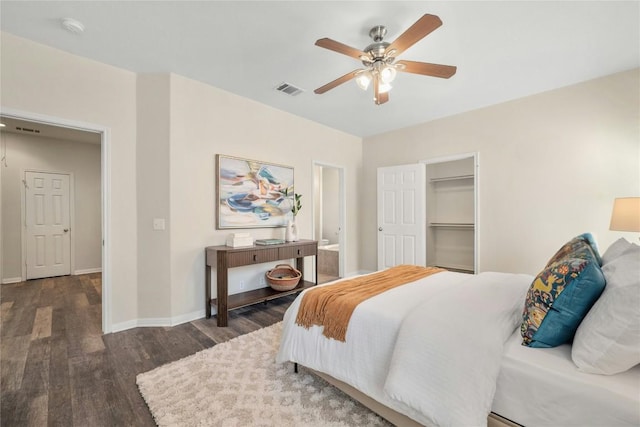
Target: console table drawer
point(236, 259)
point(298, 251)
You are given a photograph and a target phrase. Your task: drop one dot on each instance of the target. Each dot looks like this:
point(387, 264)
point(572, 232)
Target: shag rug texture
point(238, 383)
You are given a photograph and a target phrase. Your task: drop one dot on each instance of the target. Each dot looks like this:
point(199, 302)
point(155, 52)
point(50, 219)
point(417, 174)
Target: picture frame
point(252, 193)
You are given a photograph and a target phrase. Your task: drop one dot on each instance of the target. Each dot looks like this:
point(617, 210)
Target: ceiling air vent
point(289, 89)
point(23, 129)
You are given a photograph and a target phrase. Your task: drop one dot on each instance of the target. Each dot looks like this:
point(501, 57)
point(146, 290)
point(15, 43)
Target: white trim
point(360, 273)
point(450, 158)
point(3, 146)
point(187, 317)
point(123, 326)
point(476, 191)
point(12, 280)
point(342, 238)
point(106, 229)
point(106, 194)
point(87, 271)
point(158, 322)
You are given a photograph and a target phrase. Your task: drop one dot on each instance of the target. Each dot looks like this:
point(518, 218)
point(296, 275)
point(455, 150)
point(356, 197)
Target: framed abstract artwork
point(252, 194)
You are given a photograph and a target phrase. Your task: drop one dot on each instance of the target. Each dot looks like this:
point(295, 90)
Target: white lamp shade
point(626, 214)
point(384, 87)
point(387, 74)
point(363, 79)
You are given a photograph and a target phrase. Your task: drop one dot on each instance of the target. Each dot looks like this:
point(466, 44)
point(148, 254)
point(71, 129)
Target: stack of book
point(238, 240)
point(265, 242)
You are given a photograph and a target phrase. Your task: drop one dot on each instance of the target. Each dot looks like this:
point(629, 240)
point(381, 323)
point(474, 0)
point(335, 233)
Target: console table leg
point(222, 296)
point(207, 292)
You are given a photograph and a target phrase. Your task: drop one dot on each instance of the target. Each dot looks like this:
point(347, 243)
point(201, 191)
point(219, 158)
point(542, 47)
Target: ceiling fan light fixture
point(363, 79)
point(388, 73)
point(384, 87)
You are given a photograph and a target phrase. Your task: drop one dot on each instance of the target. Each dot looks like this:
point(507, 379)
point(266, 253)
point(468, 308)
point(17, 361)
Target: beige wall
point(45, 81)
point(152, 177)
point(27, 152)
point(164, 133)
point(206, 121)
point(550, 167)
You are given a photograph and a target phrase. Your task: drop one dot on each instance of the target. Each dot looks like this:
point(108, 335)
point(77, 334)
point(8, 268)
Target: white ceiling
point(503, 50)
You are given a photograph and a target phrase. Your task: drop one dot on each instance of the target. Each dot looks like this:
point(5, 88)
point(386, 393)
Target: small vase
point(291, 235)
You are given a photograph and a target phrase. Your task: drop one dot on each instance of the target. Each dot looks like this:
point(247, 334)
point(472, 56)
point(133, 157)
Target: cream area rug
point(238, 383)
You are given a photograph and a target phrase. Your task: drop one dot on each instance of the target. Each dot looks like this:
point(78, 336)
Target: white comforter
point(430, 349)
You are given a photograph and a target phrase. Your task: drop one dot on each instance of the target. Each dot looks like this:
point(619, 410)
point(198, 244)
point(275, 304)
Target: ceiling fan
point(379, 59)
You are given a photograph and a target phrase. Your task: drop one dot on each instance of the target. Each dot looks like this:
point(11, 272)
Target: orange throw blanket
point(332, 306)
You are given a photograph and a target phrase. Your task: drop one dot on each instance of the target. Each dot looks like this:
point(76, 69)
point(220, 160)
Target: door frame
point(23, 217)
point(105, 179)
point(342, 211)
point(476, 185)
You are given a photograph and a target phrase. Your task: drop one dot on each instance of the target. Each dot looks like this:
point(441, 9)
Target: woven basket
point(283, 277)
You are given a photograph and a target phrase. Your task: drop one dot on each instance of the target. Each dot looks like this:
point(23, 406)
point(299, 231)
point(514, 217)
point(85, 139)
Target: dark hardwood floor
point(57, 369)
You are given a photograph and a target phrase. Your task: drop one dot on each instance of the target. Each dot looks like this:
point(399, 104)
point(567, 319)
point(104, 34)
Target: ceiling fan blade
point(427, 69)
point(336, 82)
point(340, 48)
point(421, 28)
point(382, 98)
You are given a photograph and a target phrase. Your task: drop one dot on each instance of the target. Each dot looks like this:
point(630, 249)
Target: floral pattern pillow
point(583, 246)
point(561, 295)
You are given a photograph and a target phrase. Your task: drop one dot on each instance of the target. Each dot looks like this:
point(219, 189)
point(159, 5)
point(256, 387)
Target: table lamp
point(626, 214)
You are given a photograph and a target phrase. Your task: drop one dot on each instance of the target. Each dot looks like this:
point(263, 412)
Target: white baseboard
point(189, 317)
point(123, 326)
point(360, 272)
point(87, 271)
point(11, 280)
point(157, 322)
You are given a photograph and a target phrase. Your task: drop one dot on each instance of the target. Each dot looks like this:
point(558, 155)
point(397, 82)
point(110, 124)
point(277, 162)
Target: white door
point(48, 234)
point(401, 215)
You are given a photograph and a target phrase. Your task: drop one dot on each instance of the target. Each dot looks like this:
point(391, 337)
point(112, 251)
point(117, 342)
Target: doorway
point(328, 220)
point(55, 129)
point(452, 212)
point(427, 213)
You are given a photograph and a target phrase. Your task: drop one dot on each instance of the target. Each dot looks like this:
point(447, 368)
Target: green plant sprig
point(297, 204)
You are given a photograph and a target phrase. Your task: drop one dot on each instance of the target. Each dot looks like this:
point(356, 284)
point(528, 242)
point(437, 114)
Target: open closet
point(451, 213)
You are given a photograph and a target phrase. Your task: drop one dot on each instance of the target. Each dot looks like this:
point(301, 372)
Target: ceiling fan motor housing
point(378, 32)
point(376, 50)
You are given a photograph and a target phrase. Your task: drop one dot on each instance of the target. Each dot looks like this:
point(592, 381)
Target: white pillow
point(608, 339)
point(616, 249)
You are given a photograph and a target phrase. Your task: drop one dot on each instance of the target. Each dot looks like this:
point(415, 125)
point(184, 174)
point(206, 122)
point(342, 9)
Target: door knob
point(66, 230)
point(379, 228)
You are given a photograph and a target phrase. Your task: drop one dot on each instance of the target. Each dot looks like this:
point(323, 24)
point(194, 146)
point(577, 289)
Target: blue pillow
point(562, 294)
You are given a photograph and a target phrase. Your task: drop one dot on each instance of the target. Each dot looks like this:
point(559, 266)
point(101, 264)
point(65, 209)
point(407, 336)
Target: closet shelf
point(452, 178)
point(451, 225)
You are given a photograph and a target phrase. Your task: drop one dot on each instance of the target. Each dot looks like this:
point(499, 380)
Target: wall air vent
point(289, 89)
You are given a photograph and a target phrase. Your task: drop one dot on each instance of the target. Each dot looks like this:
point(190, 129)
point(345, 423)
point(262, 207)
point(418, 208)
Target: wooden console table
point(222, 258)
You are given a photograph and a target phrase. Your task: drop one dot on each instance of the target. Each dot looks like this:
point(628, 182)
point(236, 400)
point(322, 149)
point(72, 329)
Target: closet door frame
point(476, 186)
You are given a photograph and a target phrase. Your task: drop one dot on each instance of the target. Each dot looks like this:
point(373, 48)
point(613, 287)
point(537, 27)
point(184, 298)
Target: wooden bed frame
point(391, 415)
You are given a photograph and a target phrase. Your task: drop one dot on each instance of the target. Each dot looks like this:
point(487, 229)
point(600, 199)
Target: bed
point(446, 349)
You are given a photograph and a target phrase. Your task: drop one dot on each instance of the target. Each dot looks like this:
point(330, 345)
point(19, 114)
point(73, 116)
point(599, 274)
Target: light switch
point(158, 223)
